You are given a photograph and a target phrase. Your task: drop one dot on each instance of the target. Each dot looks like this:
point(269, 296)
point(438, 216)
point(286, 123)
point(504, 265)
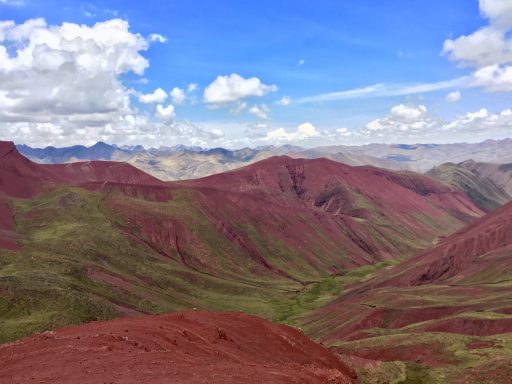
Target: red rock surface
point(182, 348)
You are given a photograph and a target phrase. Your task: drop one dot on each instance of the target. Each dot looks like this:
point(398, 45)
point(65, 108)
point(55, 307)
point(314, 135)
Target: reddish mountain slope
point(461, 255)
point(189, 347)
point(330, 186)
point(299, 218)
point(20, 177)
point(292, 218)
point(464, 286)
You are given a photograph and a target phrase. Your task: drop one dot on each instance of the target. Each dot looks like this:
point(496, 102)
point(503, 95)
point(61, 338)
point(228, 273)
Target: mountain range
point(181, 162)
point(404, 276)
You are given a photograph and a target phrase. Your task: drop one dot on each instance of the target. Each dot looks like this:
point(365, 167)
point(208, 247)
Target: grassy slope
point(76, 266)
point(482, 191)
point(409, 340)
point(434, 358)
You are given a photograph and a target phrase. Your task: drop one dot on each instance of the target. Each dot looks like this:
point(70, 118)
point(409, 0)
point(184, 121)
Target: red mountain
point(20, 177)
point(461, 286)
point(182, 348)
point(127, 243)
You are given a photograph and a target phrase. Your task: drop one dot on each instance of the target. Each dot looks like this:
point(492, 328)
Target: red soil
point(189, 347)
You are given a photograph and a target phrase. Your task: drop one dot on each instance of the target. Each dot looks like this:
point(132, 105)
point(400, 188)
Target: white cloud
point(226, 89)
point(192, 87)
point(178, 95)
point(62, 83)
point(412, 124)
point(217, 133)
point(487, 46)
point(386, 90)
point(494, 78)
point(155, 37)
point(453, 97)
point(260, 111)
point(488, 49)
point(300, 63)
point(158, 96)
point(303, 131)
point(166, 114)
point(343, 132)
point(285, 101)
point(404, 118)
point(407, 113)
point(498, 11)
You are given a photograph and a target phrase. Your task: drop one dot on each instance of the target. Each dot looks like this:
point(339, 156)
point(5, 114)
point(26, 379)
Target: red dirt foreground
point(188, 347)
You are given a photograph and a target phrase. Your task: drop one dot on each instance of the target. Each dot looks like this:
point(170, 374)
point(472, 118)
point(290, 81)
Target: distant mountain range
point(182, 162)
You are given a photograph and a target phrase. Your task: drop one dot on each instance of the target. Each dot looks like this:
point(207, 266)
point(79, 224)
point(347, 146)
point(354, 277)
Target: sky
point(232, 74)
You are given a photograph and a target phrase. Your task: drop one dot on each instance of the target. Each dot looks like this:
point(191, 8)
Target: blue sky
point(309, 53)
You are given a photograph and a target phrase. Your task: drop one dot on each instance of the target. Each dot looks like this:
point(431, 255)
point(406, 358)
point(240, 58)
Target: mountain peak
point(101, 144)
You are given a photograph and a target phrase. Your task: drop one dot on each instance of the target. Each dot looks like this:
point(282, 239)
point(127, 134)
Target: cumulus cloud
point(414, 123)
point(178, 95)
point(494, 78)
point(405, 118)
point(227, 89)
point(166, 114)
point(488, 49)
point(158, 96)
point(453, 97)
point(303, 132)
point(61, 83)
point(498, 11)
point(260, 111)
